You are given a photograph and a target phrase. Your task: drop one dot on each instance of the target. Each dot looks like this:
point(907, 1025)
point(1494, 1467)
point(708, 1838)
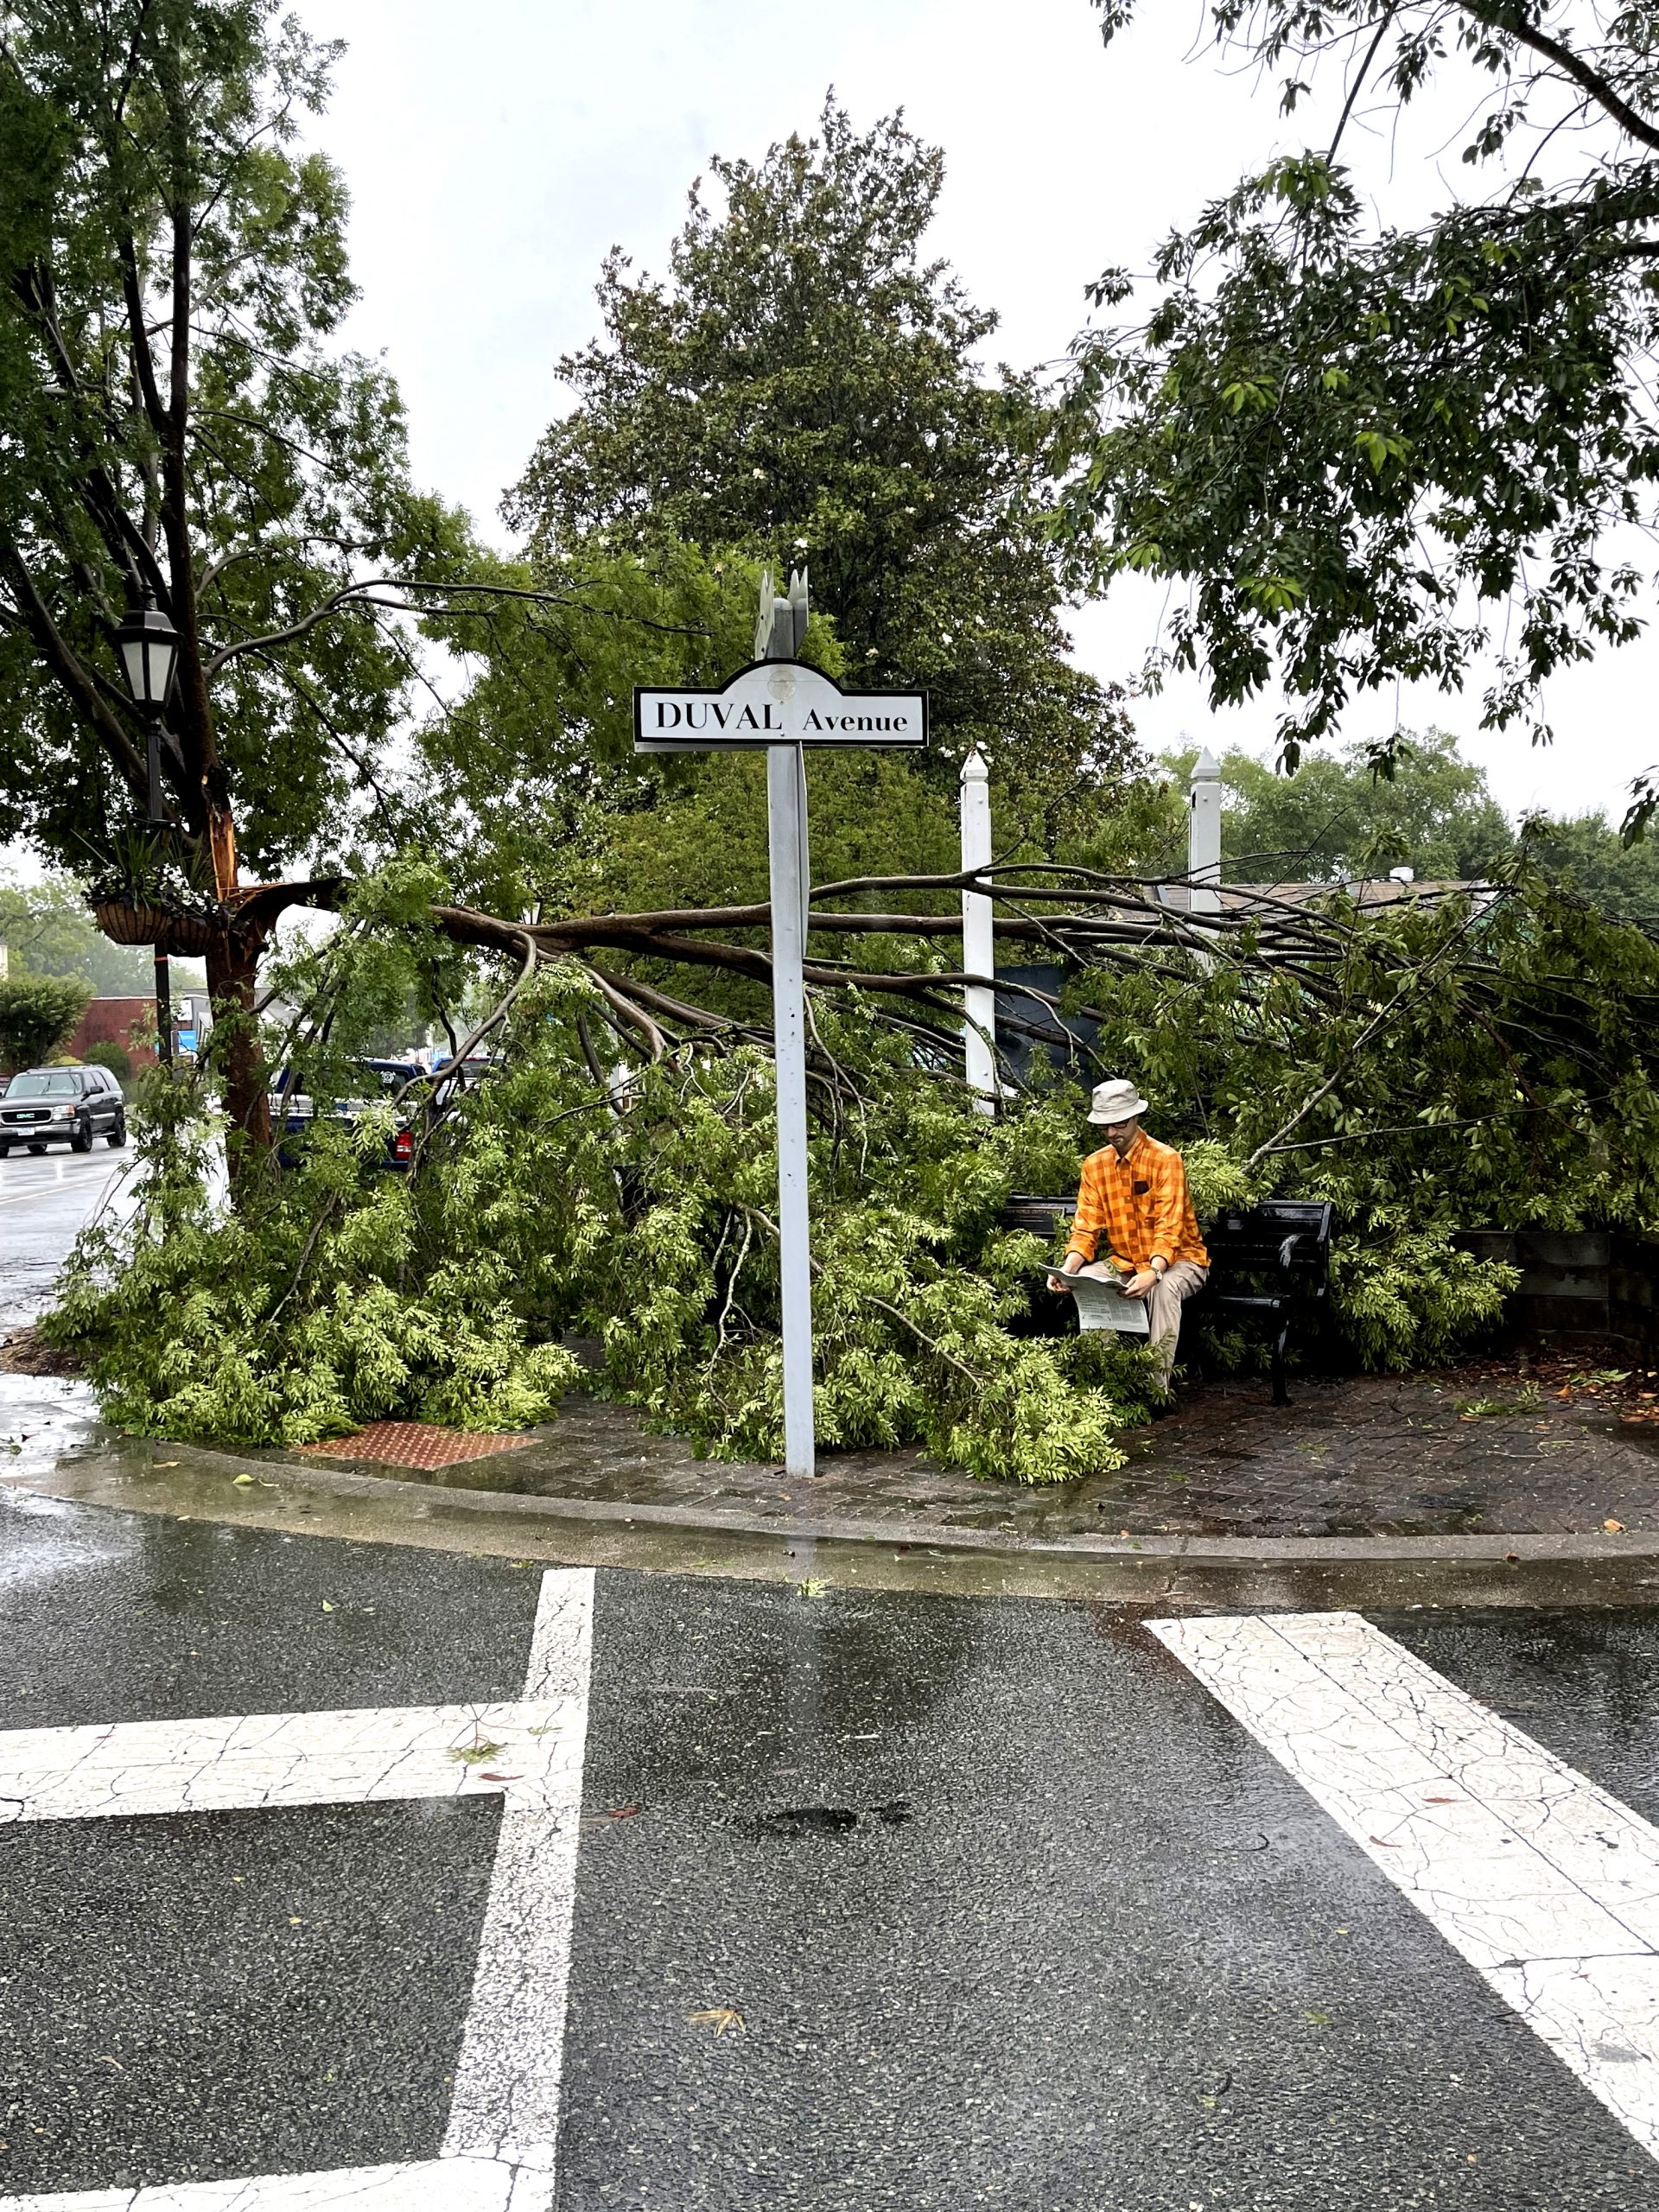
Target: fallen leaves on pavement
point(717, 2017)
point(475, 1754)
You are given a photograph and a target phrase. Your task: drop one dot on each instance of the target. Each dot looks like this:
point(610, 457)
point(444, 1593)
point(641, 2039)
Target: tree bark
point(232, 969)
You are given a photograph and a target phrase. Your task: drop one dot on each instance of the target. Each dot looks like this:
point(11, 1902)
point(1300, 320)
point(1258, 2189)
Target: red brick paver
point(416, 1443)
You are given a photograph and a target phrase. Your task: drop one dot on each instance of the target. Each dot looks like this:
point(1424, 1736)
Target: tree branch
point(1512, 22)
point(60, 658)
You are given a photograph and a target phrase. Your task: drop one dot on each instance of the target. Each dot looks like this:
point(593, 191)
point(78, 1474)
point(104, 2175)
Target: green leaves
point(37, 1015)
point(251, 500)
point(803, 386)
point(1380, 448)
point(1431, 431)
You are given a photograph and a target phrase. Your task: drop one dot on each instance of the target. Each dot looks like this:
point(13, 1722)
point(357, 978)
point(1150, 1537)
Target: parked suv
point(69, 1106)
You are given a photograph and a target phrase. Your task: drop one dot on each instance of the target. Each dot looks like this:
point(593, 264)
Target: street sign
point(778, 705)
point(775, 703)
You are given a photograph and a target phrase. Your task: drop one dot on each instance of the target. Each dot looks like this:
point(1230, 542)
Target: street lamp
point(148, 648)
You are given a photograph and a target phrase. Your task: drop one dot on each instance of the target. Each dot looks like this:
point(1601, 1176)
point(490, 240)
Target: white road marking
point(505, 2103)
point(498, 2150)
point(244, 1760)
point(422, 2185)
point(1545, 1884)
point(53, 1187)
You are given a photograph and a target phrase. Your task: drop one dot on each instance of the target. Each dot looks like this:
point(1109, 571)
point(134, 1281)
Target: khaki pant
point(1163, 1303)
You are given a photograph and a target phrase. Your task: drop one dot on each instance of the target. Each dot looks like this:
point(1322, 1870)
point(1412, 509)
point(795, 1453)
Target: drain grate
point(414, 1444)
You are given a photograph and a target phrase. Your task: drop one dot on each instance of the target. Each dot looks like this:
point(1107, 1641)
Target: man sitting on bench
point(1133, 1194)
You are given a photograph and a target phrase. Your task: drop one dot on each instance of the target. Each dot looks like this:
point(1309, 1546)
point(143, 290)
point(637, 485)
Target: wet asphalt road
point(1014, 1914)
point(44, 1201)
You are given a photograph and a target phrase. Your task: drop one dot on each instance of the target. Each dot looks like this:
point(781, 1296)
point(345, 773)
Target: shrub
point(38, 1015)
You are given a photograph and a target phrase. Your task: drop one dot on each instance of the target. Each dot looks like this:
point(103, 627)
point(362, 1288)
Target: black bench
point(1269, 1262)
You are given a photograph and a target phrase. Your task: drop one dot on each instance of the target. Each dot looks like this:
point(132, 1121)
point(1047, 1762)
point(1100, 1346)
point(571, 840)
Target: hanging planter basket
point(136, 921)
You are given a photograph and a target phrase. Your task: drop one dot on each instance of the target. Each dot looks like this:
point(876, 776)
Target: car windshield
point(43, 1083)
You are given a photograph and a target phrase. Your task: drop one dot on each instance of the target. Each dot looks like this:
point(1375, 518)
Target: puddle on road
point(44, 1419)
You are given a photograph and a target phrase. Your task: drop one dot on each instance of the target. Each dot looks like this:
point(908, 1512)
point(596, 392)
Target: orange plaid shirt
point(1140, 1204)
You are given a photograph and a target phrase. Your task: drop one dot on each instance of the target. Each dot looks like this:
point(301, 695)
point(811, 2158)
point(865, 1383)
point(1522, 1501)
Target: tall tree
point(804, 387)
point(1366, 448)
point(178, 428)
point(48, 932)
point(1336, 818)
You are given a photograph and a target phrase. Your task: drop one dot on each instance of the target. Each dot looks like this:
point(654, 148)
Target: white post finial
point(763, 620)
point(978, 937)
point(1203, 834)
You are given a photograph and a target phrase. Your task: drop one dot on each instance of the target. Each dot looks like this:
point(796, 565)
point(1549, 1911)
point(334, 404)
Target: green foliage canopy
point(803, 388)
point(1356, 444)
point(1336, 818)
point(182, 423)
point(38, 1014)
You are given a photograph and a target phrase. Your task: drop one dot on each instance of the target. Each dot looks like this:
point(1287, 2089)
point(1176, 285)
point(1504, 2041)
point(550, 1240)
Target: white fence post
point(978, 938)
point(1203, 835)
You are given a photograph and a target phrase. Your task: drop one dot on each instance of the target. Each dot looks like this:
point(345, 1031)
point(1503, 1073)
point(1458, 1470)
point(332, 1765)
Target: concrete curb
point(441, 1502)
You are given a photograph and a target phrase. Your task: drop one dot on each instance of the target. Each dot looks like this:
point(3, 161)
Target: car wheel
point(37, 1149)
point(117, 1135)
point(5, 1151)
point(82, 1140)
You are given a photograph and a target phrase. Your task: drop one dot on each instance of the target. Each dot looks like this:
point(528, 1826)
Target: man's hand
point(1138, 1286)
point(1059, 1278)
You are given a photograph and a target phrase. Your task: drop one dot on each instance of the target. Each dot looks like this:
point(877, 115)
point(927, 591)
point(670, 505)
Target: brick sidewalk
point(1494, 1447)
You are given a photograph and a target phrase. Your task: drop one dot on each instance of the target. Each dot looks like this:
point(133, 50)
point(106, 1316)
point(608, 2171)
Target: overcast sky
point(495, 152)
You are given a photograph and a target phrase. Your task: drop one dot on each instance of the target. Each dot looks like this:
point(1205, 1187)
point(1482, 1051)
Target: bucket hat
point(1115, 1100)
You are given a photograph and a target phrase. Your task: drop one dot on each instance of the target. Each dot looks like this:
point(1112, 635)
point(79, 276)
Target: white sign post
point(778, 704)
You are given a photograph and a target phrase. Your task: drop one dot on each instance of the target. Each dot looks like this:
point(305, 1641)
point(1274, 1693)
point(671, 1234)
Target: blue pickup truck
point(293, 1110)
point(376, 1082)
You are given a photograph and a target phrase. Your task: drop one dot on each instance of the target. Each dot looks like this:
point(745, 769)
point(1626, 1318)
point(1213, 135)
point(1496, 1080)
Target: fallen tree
point(1430, 1065)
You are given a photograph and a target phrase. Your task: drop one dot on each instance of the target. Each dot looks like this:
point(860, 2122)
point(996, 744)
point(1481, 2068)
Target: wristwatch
point(1160, 1270)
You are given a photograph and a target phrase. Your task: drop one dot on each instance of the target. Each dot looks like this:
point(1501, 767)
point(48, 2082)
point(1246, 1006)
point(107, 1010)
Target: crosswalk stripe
point(1545, 1884)
point(498, 2150)
point(505, 2101)
point(420, 2185)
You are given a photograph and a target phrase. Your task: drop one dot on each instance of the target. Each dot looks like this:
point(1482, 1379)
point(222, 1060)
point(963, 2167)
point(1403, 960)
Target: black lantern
point(149, 646)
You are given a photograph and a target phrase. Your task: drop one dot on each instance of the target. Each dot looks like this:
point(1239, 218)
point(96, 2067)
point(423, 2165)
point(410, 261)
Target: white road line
point(27, 1198)
point(498, 2150)
point(1544, 1882)
point(423, 2185)
point(238, 1761)
point(505, 2101)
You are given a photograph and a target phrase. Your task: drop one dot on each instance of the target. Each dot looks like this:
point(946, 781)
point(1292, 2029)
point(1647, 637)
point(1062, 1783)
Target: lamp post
point(148, 648)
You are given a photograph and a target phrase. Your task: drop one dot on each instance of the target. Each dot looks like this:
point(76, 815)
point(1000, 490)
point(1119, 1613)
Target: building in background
point(131, 1023)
